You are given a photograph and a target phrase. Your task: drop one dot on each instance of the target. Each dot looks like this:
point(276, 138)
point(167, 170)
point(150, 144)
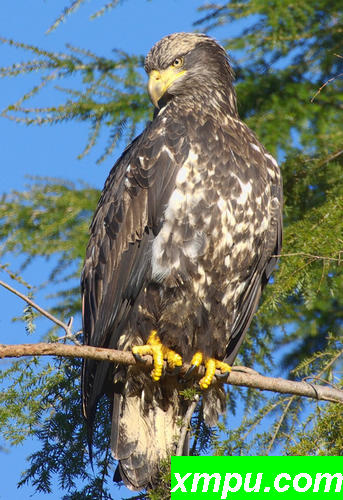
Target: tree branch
point(45, 313)
point(67, 327)
point(240, 375)
point(186, 425)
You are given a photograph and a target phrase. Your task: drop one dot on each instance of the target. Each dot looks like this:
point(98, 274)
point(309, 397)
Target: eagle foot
point(211, 365)
point(159, 352)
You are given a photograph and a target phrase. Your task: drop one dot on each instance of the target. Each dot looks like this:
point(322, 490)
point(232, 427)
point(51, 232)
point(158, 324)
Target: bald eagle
point(182, 243)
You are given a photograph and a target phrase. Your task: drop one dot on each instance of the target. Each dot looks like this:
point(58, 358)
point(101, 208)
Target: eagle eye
point(178, 62)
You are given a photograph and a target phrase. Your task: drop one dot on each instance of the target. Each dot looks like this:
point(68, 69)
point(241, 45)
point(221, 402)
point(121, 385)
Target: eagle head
point(192, 65)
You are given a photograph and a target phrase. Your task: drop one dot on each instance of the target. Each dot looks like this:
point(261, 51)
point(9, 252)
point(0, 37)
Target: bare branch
point(186, 425)
point(325, 84)
point(239, 376)
point(66, 327)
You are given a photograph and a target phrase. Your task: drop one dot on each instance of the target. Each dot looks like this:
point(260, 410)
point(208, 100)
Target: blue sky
point(134, 26)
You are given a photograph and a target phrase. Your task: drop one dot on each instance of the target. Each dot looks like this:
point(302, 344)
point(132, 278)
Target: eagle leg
point(159, 352)
point(211, 365)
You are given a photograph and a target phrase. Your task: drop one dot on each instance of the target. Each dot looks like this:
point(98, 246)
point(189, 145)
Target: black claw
point(139, 358)
point(221, 375)
point(190, 372)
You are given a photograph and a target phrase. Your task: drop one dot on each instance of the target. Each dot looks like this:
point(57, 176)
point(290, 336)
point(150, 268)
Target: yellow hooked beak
point(160, 81)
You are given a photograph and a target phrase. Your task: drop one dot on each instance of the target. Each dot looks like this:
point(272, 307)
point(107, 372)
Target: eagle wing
point(117, 264)
point(266, 250)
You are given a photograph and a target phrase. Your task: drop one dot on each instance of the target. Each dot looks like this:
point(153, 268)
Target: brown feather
point(183, 241)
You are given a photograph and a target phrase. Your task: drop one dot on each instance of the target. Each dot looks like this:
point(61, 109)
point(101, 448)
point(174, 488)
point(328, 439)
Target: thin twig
point(197, 430)
point(310, 256)
point(318, 379)
point(71, 337)
point(260, 418)
point(45, 313)
point(324, 161)
point(329, 364)
point(141, 496)
point(325, 84)
point(185, 425)
point(282, 418)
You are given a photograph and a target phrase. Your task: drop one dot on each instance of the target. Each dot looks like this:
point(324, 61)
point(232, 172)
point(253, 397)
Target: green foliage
point(20, 403)
point(106, 93)
point(75, 4)
point(43, 401)
point(324, 438)
point(28, 317)
point(50, 219)
point(288, 62)
point(162, 491)
point(290, 51)
point(190, 393)
point(203, 437)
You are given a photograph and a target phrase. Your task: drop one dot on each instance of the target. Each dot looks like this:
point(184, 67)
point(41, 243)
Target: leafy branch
point(67, 327)
point(111, 91)
point(75, 4)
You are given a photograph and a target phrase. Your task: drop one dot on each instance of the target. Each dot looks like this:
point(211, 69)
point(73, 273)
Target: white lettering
point(257, 484)
point(207, 478)
point(297, 479)
point(329, 478)
point(226, 485)
point(277, 482)
point(180, 482)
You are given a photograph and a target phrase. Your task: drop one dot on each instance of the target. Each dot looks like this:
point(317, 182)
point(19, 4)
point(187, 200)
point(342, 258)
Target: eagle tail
point(144, 433)
point(142, 436)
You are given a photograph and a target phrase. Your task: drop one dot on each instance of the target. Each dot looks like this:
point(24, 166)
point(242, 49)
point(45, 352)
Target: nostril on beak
point(155, 75)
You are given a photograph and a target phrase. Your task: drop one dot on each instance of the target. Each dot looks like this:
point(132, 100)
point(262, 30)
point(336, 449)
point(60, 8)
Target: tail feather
point(214, 404)
point(145, 432)
point(142, 436)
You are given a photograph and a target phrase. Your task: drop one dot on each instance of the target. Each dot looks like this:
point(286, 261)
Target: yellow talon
point(159, 352)
point(173, 358)
point(211, 365)
point(223, 367)
point(197, 359)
